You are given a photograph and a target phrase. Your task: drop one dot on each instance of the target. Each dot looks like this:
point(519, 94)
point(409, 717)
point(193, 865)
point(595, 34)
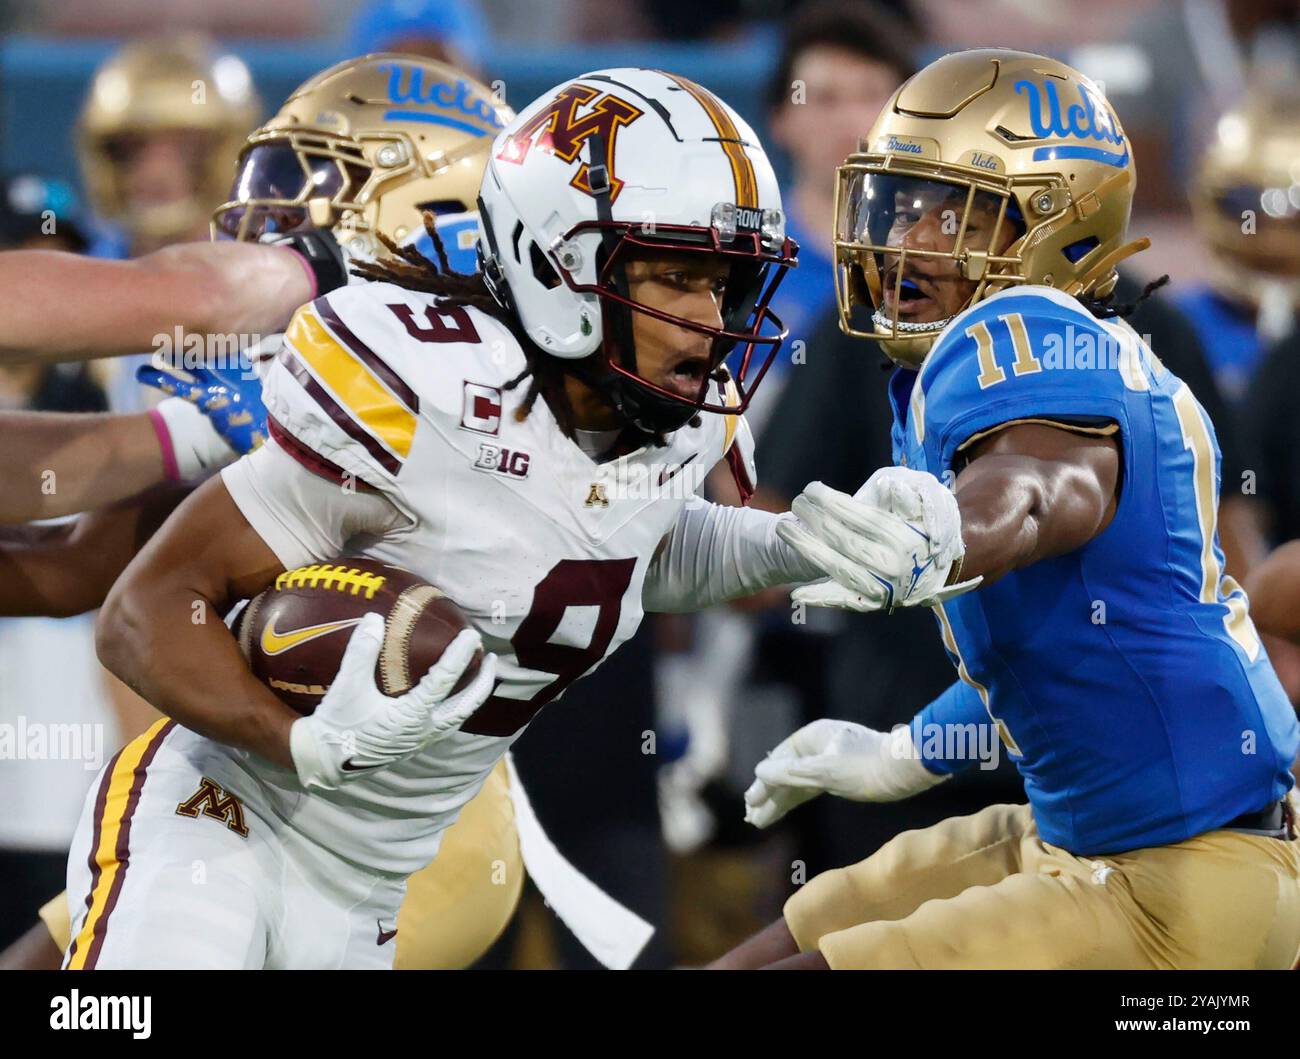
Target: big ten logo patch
point(213, 801)
point(481, 411)
point(495, 459)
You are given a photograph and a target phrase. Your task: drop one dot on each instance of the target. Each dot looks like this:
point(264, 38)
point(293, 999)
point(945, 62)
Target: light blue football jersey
point(1126, 677)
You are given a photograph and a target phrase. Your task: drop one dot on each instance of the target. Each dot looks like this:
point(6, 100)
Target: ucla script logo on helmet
point(406, 85)
point(559, 131)
point(1089, 119)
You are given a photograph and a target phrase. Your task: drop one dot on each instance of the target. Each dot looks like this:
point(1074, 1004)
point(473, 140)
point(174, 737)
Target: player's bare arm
point(58, 571)
point(63, 306)
point(1031, 492)
point(1274, 590)
point(161, 628)
point(59, 464)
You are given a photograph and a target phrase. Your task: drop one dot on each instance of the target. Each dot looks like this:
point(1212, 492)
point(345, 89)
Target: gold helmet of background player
point(1246, 199)
point(992, 167)
point(354, 149)
point(179, 84)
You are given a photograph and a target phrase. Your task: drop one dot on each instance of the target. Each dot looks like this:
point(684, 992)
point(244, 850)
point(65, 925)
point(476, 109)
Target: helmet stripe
point(742, 169)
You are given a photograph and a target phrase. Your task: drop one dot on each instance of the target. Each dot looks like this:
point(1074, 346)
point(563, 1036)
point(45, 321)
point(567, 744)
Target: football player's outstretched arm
point(1031, 492)
point(62, 306)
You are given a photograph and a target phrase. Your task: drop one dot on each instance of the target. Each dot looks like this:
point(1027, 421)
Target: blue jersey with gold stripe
point(1126, 677)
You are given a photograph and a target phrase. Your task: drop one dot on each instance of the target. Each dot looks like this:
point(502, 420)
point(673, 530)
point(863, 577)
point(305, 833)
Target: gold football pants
point(984, 891)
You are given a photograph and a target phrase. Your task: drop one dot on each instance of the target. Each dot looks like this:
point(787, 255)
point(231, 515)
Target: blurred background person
point(157, 139)
point(57, 722)
point(1245, 197)
point(839, 61)
point(447, 31)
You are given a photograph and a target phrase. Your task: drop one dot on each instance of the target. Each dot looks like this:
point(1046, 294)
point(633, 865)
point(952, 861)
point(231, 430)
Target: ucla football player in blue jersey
point(1077, 579)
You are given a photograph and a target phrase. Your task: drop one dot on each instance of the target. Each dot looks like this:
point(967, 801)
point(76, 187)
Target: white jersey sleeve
point(331, 394)
point(303, 517)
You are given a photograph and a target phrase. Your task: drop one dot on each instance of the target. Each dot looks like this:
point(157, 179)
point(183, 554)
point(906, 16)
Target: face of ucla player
point(161, 169)
point(927, 216)
point(688, 284)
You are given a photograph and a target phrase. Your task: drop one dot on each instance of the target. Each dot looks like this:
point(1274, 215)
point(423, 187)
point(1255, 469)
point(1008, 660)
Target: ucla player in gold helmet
point(158, 134)
point(1089, 619)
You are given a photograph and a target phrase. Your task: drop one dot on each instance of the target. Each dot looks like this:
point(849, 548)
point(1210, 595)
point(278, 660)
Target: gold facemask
point(988, 168)
point(363, 148)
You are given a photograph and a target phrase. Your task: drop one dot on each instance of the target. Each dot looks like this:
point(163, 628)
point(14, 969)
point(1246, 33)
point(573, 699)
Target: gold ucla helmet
point(991, 167)
point(165, 84)
point(355, 147)
point(1246, 199)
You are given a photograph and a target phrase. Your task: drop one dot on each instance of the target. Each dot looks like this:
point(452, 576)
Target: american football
point(294, 633)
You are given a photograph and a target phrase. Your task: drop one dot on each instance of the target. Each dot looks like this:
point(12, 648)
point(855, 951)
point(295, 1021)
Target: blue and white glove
point(895, 543)
point(214, 415)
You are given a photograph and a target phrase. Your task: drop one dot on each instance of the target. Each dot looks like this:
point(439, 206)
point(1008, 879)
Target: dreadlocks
point(1106, 308)
point(406, 267)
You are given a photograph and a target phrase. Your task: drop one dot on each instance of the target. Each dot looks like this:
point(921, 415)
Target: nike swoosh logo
point(385, 936)
point(347, 766)
point(275, 643)
point(665, 475)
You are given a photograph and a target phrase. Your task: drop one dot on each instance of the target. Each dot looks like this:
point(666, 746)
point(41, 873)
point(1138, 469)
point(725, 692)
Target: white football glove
point(893, 544)
point(843, 758)
point(357, 729)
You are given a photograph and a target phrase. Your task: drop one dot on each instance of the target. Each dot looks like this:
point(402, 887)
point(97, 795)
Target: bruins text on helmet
point(355, 148)
point(988, 168)
point(1246, 204)
point(155, 87)
point(618, 163)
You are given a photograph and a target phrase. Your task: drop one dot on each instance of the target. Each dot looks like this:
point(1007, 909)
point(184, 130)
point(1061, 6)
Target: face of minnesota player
point(688, 284)
point(927, 216)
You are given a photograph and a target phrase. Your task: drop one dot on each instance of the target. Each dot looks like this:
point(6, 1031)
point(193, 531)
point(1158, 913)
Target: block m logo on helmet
point(558, 130)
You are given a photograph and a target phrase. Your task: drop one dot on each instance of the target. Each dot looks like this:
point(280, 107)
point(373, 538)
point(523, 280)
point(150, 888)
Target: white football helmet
point(633, 159)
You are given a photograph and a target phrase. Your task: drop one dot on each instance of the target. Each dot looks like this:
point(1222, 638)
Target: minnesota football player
point(978, 231)
point(449, 916)
point(632, 235)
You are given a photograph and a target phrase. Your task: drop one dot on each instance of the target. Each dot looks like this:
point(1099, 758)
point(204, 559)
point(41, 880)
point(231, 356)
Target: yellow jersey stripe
point(356, 387)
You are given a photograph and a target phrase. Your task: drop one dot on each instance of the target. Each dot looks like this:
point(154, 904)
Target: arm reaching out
point(1032, 492)
point(62, 306)
point(1026, 493)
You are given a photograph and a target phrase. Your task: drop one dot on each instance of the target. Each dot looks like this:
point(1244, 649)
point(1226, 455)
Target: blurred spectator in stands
point(1178, 66)
point(449, 31)
point(840, 61)
point(1246, 208)
point(56, 718)
point(132, 18)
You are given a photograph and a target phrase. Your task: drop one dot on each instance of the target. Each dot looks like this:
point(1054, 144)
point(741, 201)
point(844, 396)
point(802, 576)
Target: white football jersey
point(544, 549)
